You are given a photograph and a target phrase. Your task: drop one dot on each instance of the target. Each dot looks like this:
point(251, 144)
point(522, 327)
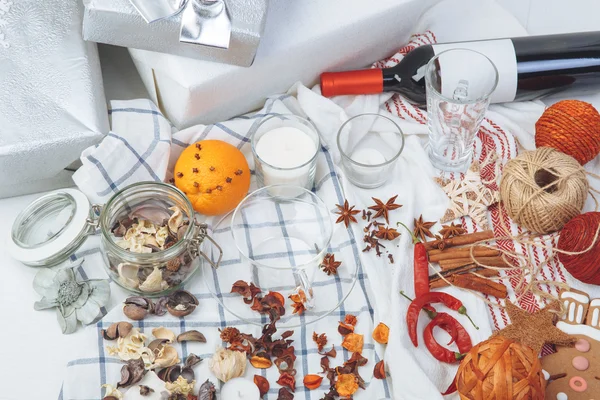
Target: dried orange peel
point(353, 342)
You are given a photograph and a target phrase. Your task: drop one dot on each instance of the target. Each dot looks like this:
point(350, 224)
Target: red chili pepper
point(454, 328)
point(437, 350)
point(412, 316)
point(420, 266)
point(451, 389)
point(448, 323)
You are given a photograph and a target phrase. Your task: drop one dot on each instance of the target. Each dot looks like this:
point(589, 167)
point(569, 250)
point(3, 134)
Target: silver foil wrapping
point(51, 93)
point(117, 22)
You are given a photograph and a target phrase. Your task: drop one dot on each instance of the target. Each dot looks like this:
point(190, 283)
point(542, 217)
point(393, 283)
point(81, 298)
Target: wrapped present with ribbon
point(52, 98)
point(224, 31)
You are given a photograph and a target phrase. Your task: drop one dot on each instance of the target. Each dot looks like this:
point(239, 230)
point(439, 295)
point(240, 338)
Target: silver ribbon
point(205, 22)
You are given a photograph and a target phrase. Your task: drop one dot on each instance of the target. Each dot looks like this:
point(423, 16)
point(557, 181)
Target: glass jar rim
point(147, 257)
point(430, 66)
point(349, 158)
point(320, 202)
point(305, 121)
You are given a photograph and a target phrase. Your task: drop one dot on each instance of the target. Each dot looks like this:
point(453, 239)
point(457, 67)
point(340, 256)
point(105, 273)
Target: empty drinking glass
point(459, 84)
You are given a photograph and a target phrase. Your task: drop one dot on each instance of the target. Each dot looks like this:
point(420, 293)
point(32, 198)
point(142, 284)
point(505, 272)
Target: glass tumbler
point(459, 84)
point(285, 149)
point(370, 145)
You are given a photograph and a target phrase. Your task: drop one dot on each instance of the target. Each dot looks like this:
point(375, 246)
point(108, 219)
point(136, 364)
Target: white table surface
point(31, 342)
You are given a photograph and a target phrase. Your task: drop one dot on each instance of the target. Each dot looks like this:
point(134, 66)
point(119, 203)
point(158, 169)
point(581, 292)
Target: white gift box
point(117, 22)
point(51, 94)
point(301, 40)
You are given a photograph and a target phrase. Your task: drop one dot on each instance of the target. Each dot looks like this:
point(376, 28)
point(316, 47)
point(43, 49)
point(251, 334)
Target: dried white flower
point(176, 219)
point(167, 356)
point(161, 236)
point(145, 226)
point(180, 386)
point(154, 282)
point(164, 333)
point(128, 275)
point(227, 364)
point(112, 391)
point(130, 347)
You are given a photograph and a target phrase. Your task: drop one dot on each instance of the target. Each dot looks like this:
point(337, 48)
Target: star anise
point(386, 233)
point(320, 340)
point(448, 231)
point(346, 213)
point(422, 228)
point(381, 209)
point(329, 265)
point(440, 242)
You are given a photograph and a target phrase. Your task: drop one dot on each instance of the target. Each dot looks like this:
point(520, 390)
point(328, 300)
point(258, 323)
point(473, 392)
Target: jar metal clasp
point(199, 237)
point(93, 220)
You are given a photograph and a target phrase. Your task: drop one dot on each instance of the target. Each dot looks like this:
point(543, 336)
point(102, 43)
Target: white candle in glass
point(368, 156)
point(240, 388)
point(284, 152)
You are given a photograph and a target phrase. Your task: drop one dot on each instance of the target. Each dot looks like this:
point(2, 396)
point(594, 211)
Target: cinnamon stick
point(482, 285)
point(461, 270)
point(461, 240)
point(489, 261)
point(473, 282)
point(461, 252)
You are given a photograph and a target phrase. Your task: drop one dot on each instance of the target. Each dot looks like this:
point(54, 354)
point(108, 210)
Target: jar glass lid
point(49, 229)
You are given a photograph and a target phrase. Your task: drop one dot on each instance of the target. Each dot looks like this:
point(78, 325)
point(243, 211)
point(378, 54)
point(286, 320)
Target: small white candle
point(367, 156)
point(286, 147)
point(240, 388)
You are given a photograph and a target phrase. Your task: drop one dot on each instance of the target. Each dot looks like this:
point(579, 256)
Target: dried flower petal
point(287, 380)
point(353, 342)
point(312, 382)
point(320, 340)
point(260, 362)
point(207, 391)
point(346, 385)
point(263, 385)
point(381, 333)
point(379, 370)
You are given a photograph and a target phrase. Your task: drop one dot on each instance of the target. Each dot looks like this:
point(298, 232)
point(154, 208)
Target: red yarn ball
point(572, 127)
point(576, 236)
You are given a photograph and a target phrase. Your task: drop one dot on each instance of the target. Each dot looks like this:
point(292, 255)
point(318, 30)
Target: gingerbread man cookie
point(573, 373)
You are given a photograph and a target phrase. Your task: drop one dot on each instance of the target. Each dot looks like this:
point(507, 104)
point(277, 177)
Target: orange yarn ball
point(572, 127)
point(500, 369)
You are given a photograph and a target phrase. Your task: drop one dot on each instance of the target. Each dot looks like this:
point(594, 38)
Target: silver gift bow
point(204, 22)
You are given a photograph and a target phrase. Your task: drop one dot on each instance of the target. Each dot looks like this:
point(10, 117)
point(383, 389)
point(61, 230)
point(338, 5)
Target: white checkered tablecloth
point(95, 367)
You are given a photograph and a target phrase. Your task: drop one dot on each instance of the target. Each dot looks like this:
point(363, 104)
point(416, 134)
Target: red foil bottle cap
point(365, 81)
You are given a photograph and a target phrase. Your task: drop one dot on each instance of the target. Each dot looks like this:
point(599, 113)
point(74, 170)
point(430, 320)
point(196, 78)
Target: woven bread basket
point(500, 369)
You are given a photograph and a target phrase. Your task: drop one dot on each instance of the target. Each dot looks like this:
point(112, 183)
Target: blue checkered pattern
point(95, 367)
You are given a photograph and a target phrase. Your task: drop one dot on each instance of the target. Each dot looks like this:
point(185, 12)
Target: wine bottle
point(528, 67)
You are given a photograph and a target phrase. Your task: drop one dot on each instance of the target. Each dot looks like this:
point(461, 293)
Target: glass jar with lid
point(51, 228)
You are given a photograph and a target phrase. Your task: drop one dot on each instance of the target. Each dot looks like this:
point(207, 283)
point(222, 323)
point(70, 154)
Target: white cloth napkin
point(136, 149)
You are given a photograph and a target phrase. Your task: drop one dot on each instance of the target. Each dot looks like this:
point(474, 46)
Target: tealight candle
point(371, 158)
point(240, 388)
point(284, 152)
point(369, 146)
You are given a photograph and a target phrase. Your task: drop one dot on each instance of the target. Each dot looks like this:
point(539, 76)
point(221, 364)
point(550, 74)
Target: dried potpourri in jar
point(146, 230)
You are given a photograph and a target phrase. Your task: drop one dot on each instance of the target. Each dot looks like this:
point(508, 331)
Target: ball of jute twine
point(543, 189)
